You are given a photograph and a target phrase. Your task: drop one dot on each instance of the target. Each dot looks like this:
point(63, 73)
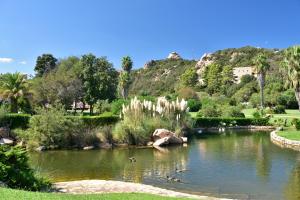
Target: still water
point(239, 164)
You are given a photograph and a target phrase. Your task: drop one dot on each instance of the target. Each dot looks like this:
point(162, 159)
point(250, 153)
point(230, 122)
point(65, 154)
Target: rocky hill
point(160, 77)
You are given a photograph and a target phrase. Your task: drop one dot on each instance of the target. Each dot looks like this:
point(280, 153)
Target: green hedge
point(16, 120)
point(215, 122)
point(22, 120)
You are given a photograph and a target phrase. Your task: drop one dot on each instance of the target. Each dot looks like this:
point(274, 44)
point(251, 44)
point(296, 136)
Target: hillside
point(162, 76)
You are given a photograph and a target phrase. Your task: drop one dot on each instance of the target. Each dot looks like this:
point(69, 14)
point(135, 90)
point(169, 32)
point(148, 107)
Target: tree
point(99, 79)
point(189, 78)
point(12, 87)
point(291, 64)
point(213, 78)
point(261, 66)
point(227, 75)
point(127, 63)
point(124, 77)
point(44, 64)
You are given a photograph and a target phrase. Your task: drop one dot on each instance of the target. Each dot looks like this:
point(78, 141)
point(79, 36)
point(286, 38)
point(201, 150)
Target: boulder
point(40, 148)
point(201, 65)
point(149, 64)
point(88, 148)
point(150, 143)
point(184, 139)
point(161, 133)
point(105, 145)
point(161, 142)
point(163, 137)
point(6, 141)
point(174, 56)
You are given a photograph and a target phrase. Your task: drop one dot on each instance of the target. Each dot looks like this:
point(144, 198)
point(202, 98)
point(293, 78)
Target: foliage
point(99, 79)
point(127, 63)
point(51, 128)
point(44, 64)
point(291, 64)
point(141, 118)
point(194, 105)
point(187, 93)
point(279, 109)
point(215, 122)
point(16, 120)
point(232, 111)
point(296, 123)
point(189, 78)
point(12, 88)
point(210, 111)
point(15, 171)
point(102, 106)
point(213, 78)
point(116, 105)
point(124, 82)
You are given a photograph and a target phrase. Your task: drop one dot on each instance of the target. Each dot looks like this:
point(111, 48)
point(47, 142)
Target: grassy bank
point(290, 134)
point(9, 194)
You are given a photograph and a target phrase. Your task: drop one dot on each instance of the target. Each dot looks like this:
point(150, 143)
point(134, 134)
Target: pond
point(239, 164)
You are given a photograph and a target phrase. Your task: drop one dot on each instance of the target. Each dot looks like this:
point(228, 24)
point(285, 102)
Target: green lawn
point(9, 194)
point(290, 133)
point(290, 114)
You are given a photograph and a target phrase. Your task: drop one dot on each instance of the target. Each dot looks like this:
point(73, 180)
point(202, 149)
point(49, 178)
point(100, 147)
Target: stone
point(150, 143)
point(161, 133)
point(105, 145)
point(149, 64)
point(6, 141)
point(161, 142)
point(174, 56)
point(184, 139)
point(40, 148)
point(201, 65)
point(88, 148)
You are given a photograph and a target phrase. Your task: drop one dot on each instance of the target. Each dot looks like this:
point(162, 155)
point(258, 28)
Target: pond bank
point(103, 186)
point(251, 128)
point(284, 142)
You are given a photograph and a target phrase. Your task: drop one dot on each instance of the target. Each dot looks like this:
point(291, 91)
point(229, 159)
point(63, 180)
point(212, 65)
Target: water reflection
point(233, 164)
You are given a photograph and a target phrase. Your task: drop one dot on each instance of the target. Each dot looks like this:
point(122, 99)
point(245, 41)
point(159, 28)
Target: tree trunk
point(75, 107)
point(14, 105)
point(297, 94)
point(261, 82)
point(91, 110)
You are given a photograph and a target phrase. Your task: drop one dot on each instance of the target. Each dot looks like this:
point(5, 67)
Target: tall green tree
point(99, 79)
point(292, 65)
point(189, 78)
point(12, 88)
point(44, 64)
point(227, 75)
point(124, 76)
point(261, 66)
point(213, 78)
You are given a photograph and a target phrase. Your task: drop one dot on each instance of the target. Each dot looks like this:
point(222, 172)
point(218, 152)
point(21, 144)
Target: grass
point(10, 194)
point(290, 114)
point(290, 133)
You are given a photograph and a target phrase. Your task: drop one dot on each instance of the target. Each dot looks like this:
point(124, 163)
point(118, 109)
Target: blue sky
point(143, 29)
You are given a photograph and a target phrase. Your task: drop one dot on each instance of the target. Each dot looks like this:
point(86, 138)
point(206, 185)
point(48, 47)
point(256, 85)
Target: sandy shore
point(103, 186)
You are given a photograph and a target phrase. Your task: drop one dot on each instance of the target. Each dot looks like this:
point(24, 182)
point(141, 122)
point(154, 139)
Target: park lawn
point(11, 194)
point(290, 133)
point(193, 114)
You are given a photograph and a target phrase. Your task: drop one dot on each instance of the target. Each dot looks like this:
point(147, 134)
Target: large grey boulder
point(164, 137)
point(174, 56)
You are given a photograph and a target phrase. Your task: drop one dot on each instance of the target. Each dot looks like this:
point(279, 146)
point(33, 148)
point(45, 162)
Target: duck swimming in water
point(132, 159)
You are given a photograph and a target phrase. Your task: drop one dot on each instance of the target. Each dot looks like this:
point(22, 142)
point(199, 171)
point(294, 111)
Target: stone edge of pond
point(108, 186)
point(284, 142)
point(251, 128)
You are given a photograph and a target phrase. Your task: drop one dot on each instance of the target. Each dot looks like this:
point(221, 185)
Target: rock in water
point(164, 137)
point(88, 148)
point(41, 148)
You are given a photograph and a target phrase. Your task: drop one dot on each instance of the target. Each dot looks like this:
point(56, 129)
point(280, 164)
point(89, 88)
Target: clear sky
point(142, 29)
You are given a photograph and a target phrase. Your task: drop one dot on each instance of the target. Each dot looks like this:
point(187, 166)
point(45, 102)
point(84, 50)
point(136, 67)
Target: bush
point(279, 109)
point(95, 121)
point(15, 120)
point(116, 105)
point(102, 106)
point(194, 105)
point(296, 123)
point(15, 171)
point(187, 93)
point(232, 111)
point(215, 122)
point(210, 111)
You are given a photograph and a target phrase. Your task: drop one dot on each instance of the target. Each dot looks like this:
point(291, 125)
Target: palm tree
point(261, 67)
point(291, 63)
point(124, 77)
point(127, 63)
point(12, 87)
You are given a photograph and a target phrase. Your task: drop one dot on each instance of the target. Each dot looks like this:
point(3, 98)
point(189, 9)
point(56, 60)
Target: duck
point(132, 159)
point(173, 179)
point(179, 170)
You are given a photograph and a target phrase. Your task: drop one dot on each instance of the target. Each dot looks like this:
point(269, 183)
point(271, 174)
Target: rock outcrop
point(201, 65)
point(6, 141)
point(149, 64)
point(174, 56)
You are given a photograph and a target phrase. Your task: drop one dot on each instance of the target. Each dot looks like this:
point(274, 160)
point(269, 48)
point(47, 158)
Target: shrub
point(194, 105)
point(51, 127)
point(232, 111)
point(116, 105)
point(210, 111)
point(296, 123)
point(15, 120)
point(187, 93)
point(279, 109)
point(102, 106)
point(95, 121)
point(15, 171)
point(215, 121)
point(140, 119)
